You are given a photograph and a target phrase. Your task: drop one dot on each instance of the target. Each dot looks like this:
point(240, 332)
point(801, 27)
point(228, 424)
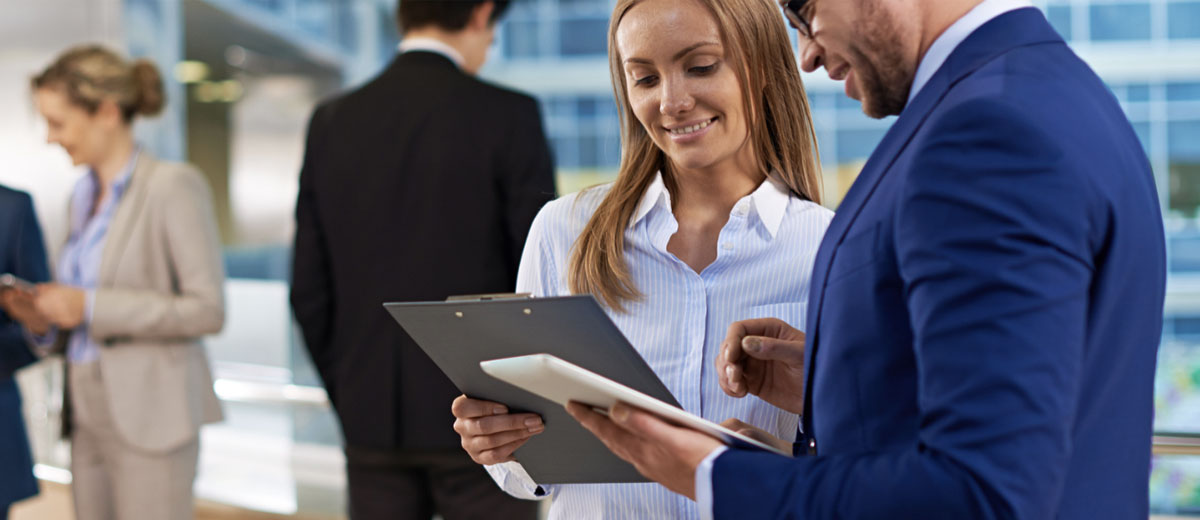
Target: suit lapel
point(120, 230)
point(1006, 32)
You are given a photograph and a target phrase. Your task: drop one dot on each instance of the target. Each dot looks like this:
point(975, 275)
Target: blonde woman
point(138, 283)
point(713, 218)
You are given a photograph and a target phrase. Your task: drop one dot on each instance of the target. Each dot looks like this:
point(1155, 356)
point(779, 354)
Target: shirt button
point(728, 246)
point(812, 446)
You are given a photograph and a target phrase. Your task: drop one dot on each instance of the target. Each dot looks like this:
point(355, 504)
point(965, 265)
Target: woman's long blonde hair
point(780, 130)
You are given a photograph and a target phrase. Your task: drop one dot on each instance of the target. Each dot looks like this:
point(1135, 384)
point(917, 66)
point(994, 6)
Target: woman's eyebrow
point(679, 55)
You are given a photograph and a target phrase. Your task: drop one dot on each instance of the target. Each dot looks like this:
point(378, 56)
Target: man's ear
point(481, 16)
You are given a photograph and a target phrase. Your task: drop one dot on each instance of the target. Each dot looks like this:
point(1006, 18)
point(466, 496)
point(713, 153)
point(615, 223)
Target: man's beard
point(883, 75)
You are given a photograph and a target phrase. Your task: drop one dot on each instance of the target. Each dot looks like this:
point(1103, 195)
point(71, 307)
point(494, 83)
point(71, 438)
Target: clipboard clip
point(489, 297)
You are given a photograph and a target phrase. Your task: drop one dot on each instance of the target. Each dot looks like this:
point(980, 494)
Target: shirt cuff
point(88, 305)
point(704, 491)
point(514, 480)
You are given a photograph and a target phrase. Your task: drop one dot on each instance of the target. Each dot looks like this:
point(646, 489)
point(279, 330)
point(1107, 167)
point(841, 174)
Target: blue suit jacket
point(986, 310)
point(21, 254)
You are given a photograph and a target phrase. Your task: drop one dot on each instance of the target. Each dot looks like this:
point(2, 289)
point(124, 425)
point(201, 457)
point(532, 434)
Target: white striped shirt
point(764, 261)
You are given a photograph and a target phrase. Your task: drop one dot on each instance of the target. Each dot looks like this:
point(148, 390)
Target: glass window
point(857, 145)
point(1183, 140)
point(566, 152)
point(1183, 91)
point(521, 39)
point(1113, 22)
point(842, 101)
point(1060, 17)
point(1137, 92)
point(520, 10)
point(587, 36)
point(821, 100)
point(1183, 149)
point(1142, 129)
point(1188, 325)
point(590, 150)
point(1184, 256)
point(258, 262)
point(597, 150)
point(601, 5)
point(588, 107)
point(1174, 488)
point(610, 156)
point(1183, 20)
point(270, 5)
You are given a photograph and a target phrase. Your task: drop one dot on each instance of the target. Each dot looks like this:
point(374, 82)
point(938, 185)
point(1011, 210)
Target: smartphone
point(9, 281)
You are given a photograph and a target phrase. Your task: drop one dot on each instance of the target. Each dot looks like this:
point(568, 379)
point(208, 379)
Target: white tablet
point(561, 382)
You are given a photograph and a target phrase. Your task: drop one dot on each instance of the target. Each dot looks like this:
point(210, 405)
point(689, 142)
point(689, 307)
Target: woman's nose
point(676, 97)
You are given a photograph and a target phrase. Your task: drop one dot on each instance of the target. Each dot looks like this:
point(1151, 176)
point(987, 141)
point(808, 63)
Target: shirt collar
point(118, 184)
point(955, 34)
point(86, 188)
point(769, 200)
point(122, 181)
point(432, 45)
point(657, 192)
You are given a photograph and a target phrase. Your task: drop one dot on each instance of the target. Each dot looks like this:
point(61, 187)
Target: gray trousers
point(112, 480)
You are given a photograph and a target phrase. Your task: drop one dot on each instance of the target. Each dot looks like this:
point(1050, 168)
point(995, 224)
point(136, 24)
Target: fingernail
point(498, 410)
point(729, 373)
point(532, 422)
point(619, 413)
point(752, 344)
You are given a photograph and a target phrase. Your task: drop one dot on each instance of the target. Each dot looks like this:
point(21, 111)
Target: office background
point(243, 76)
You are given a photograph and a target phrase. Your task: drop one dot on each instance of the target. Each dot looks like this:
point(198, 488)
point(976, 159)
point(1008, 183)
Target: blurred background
point(243, 76)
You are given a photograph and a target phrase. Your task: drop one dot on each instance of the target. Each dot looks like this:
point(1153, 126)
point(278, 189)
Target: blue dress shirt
point(79, 265)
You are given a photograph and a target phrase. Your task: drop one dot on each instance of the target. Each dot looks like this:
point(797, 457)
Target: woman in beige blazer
point(138, 283)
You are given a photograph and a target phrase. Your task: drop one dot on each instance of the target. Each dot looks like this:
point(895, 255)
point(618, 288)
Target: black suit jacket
point(420, 185)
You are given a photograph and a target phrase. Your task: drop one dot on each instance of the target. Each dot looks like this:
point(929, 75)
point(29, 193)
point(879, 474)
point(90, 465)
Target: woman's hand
point(62, 305)
point(764, 357)
point(21, 305)
point(489, 433)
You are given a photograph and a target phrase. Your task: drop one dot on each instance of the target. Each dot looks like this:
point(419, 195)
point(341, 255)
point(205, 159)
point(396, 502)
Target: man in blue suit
point(986, 305)
point(21, 254)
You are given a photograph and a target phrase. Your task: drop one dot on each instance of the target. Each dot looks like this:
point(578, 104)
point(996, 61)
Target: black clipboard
point(458, 334)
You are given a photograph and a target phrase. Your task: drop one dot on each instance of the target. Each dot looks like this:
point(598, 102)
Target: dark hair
point(450, 15)
point(90, 74)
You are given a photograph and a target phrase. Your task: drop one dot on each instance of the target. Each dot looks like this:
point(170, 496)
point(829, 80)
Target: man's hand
point(661, 452)
point(21, 306)
point(489, 433)
point(757, 434)
point(764, 357)
point(62, 305)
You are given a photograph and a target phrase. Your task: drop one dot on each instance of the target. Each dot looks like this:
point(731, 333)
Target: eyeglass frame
point(791, 12)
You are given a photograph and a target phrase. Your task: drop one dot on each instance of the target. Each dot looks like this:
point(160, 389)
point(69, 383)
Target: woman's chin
point(693, 161)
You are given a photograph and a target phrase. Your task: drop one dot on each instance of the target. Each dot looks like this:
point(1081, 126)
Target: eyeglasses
point(795, 12)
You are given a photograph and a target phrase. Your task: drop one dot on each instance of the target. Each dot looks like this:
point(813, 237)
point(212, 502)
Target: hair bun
point(149, 87)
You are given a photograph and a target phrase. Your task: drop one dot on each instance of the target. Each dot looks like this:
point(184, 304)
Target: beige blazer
point(160, 290)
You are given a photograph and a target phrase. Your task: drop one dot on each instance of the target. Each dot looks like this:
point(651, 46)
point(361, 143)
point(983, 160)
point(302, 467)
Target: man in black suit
point(420, 185)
